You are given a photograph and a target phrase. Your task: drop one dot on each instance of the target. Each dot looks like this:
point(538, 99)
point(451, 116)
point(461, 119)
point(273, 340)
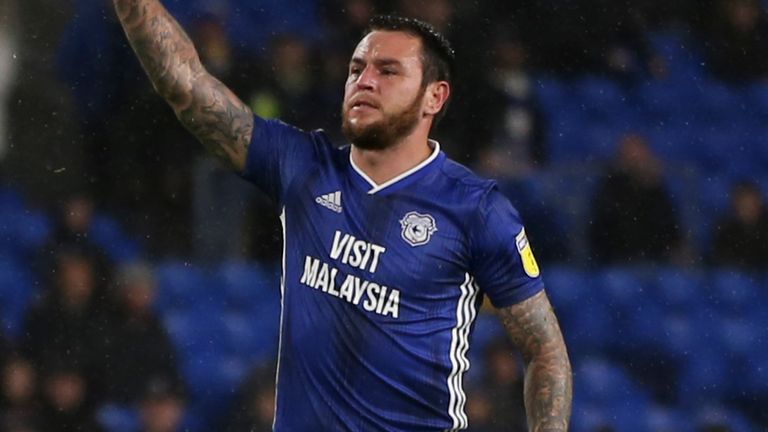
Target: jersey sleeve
point(502, 260)
point(277, 153)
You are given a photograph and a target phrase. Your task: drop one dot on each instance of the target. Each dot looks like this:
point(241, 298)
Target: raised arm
point(206, 107)
point(533, 328)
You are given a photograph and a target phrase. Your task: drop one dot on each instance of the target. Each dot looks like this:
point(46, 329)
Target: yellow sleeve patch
point(526, 255)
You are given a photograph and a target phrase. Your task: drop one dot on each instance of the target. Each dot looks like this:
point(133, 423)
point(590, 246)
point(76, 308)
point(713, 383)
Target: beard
point(386, 132)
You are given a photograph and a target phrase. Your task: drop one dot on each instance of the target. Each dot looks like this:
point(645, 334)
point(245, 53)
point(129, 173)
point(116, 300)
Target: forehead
point(390, 45)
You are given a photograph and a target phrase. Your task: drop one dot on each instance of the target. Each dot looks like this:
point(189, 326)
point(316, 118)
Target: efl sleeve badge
point(526, 255)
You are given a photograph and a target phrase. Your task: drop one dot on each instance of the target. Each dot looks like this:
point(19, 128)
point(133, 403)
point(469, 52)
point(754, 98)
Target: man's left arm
point(533, 328)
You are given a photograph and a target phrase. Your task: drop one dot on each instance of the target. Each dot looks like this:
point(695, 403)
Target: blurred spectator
point(512, 134)
point(633, 219)
point(19, 401)
point(480, 412)
point(8, 65)
point(162, 407)
point(591, 36)
point(736, 38)
point(741, 237)
point(439, 13)
point(67, 398)
point(42, 110)
point(345, 22)
point(255, 409)
point(68, 322)
point(221, 202)
point(287, 89)
point(504, 386)
point(139, 349)
point(71, 227)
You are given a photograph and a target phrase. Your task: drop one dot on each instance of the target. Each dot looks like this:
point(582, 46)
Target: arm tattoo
point(533, 328)
point(206, 107)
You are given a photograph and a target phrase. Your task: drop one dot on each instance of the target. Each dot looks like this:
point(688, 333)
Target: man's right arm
point(206, 107)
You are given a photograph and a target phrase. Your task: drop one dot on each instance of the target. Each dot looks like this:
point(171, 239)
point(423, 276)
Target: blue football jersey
point(382, 283)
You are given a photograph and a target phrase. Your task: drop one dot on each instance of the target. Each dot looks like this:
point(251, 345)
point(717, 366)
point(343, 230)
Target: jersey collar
point(401, 180)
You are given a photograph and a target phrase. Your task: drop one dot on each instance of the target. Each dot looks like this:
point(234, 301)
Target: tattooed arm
point(533, 328)
point(206, 107)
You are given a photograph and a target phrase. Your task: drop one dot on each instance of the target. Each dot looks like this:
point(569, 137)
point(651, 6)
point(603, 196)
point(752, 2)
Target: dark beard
point(385, 133)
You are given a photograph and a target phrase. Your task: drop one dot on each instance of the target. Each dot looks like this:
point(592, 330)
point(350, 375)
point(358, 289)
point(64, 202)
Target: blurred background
point(139, 280)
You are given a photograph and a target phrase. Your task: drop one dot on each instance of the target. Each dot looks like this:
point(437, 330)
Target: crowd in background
point(81, 131)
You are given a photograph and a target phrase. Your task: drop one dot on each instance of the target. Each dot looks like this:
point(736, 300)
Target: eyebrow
point(378, 62)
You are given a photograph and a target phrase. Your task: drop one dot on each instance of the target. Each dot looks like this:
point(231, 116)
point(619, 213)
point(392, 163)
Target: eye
point(388, 71)
point(354, 70)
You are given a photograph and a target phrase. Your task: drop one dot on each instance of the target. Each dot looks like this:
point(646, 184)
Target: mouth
point(362, 105)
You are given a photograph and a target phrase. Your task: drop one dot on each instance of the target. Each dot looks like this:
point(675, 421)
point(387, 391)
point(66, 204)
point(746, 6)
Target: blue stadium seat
point(565, 285)
point(706, 376)
point(183, 285)
point(739, 335)
point(715, 414)
point(107, 234)
point(735, 291)
point(214, 381)
point(604, 383)
point(194, 334)
point(16, 291)
point(758, 99)
point(603, 99)
point(682, 55)
point(10, 199)
point(119, 418)
point(23, 231)
point(551, 93)
point(251, 337)
point(621, 287)
point(666, 419)
point(678, 289)
point(247, 285)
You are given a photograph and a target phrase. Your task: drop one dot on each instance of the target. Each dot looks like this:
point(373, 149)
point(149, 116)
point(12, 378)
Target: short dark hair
point(438, 58)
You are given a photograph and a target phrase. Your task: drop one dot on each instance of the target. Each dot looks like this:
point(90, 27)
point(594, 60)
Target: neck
point(384, 165)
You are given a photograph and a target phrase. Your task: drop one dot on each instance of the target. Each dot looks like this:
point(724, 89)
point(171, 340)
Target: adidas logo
point(330, 201)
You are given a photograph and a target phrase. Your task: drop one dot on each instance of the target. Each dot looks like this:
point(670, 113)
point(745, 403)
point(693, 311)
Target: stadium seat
point(711, 415)
point(734, 291)
point(194, 334)
point(621, 287)
point(603, 99)
point(682, 55)
point(107, 234)
point(246, 285)
point(251, 337)
point(677, 289)
point(604, 383)
point(214, 382)
point(118, 418)
point(565, 285)
point(706, 376)
point(16, 291)
point(183, 285)
point(23, 231)
point(551, 93)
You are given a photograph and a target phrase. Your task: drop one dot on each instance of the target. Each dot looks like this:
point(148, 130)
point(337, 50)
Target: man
point(389, 247)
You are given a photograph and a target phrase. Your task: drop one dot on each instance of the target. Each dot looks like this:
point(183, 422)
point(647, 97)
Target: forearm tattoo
point(533, 328)
point(206, 107)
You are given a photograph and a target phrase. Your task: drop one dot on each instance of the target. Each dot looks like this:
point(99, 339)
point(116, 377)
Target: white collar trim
point(378, 187)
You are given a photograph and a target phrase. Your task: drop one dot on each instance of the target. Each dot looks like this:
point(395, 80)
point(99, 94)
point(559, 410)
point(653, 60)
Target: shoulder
point(461, 178)
point(481, 197)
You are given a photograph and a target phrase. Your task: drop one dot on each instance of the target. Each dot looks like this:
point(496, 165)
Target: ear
point(435, 97)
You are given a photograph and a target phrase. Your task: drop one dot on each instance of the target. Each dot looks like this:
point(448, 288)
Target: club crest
point(417, 228)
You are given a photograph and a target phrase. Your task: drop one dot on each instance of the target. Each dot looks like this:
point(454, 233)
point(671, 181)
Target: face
point(76, 279)
point(384, 95)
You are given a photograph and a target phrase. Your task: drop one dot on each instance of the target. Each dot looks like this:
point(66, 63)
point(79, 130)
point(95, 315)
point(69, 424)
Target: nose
point(367, 79)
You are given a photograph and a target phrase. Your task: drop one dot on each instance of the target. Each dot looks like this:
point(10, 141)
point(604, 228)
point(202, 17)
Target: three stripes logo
point(331, 201)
